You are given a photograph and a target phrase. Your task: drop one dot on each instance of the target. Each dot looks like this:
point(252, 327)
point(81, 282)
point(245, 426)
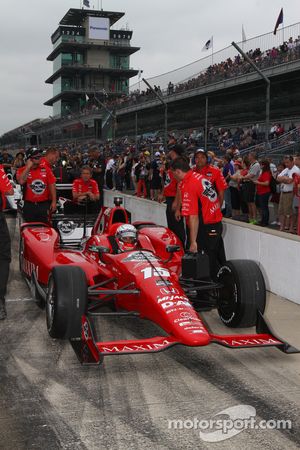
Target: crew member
point(85, 188)
point(171, 194)
point(50, 159)
point(5, 252)
point(211, 173)
point(200, 205)
point(39, 188)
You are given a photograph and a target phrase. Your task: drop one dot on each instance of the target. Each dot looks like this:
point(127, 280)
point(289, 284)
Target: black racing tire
point(242, 295)
point(66, 302)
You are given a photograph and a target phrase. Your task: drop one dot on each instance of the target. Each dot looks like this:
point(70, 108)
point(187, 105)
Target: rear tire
point(242, 295)
point(66, 302)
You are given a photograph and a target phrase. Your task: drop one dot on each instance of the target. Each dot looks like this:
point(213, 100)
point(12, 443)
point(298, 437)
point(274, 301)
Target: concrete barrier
point(277, 253)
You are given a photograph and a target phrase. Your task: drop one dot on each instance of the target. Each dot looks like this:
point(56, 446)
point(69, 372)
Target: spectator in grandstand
point(120, 173)
point(276, 196)
point(135, 162)
point(263, 191)
point(285, 209)
point(249, 180)
point(19, 161)
point(228, 170)
point(128, 167)
point(243, 184)
point(109, 172)
point(155, 178)
point(6, 159)
point(234, 189)
point(142, 173)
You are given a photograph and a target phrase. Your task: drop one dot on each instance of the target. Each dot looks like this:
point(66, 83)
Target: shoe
point(274, 223)
point(3, 313)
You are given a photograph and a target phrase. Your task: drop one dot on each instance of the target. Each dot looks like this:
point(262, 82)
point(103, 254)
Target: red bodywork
point(160, 297)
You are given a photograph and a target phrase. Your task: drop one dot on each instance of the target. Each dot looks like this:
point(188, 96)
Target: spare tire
point(243, 293)
point(66, 302)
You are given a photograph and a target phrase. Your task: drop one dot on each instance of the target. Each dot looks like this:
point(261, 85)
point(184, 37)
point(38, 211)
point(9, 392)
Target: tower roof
point(76, 17)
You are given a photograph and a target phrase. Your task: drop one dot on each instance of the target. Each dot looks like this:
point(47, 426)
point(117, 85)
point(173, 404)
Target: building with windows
point(91, 61)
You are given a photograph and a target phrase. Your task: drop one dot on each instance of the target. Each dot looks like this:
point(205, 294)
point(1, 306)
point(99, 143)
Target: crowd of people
point(182, 177)
point(252, 185)
point(230, 68)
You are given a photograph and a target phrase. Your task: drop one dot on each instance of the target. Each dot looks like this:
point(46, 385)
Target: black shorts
point(248, 190)
point(235, 198)
point(36, 212)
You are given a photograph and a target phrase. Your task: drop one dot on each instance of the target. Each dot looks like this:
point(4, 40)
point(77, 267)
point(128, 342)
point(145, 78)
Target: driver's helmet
point(126, 237)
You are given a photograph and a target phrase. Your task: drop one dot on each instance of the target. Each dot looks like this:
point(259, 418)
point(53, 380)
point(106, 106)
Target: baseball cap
point(201, 150)
point(157, 154)
point(33, 152)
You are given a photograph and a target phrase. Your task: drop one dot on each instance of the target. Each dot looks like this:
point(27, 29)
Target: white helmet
point(126, 237)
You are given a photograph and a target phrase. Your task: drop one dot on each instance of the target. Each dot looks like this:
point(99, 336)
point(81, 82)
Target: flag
point(279, 20)
point(208, 44)
point(243, 34)
point(87, 98)
point(86, 3)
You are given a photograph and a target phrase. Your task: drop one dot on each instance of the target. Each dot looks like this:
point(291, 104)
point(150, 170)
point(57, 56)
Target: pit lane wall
point(278, 254)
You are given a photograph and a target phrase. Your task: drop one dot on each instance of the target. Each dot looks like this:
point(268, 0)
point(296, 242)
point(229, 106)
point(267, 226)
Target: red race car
point(138, 270)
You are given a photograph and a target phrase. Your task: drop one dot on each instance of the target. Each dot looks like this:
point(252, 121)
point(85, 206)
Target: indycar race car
point(81, 280)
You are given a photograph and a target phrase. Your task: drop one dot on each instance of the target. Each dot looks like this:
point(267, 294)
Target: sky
point(171, 33)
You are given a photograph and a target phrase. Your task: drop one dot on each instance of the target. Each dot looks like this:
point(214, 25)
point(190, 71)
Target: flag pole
point(282, 33)
point(242, 37)
point(212, 52)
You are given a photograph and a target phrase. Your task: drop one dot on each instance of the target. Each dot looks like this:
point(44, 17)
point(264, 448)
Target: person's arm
point(193, 228)
point(77, 196)
point(22, 177)
point(262, 183)
point(221, 197)
point(93, 196)
point(284, 179)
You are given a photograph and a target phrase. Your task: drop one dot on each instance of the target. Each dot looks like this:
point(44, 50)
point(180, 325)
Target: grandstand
point(235, 94)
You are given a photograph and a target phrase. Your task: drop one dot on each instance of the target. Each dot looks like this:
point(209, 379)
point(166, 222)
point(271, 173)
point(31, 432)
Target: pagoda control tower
point(91, 61)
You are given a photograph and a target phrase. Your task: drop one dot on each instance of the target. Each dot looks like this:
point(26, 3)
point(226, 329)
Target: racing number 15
point(149, 272)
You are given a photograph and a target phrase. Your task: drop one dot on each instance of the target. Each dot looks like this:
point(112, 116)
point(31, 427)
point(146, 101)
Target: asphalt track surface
point(48, 400)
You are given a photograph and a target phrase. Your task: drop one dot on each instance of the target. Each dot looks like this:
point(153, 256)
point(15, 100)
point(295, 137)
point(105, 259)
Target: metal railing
point(265, 42)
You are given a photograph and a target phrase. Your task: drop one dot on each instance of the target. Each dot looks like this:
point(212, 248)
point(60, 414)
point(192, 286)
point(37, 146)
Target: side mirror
point(99, 249)
point(172, 248)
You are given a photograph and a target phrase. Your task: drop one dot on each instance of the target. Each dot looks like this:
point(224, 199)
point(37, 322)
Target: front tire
point(66, 302)
point(242, 295)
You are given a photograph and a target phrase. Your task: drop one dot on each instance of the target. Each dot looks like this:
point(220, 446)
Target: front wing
point(89, 351)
